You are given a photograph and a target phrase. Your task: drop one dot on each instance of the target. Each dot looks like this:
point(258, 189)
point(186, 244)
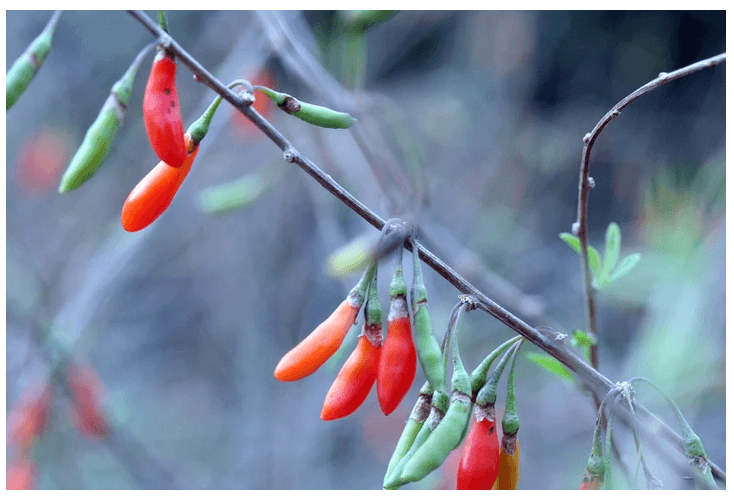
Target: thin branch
point(585, 184)
point(554, 347)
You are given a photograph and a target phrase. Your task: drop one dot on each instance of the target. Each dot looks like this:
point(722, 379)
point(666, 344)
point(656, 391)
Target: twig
point(585, 183)
point(557, 349)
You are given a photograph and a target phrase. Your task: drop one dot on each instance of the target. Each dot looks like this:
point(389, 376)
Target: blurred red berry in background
point(20, 474)
point(41, 160)
point(87, 395)
point(29, 415)
point(263, 105)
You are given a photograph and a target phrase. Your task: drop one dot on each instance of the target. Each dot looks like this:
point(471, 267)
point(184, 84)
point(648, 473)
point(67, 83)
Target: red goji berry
point(161, 112)
point(154, 193)
point(87, 391)
point(20, 474)
point(480, 456)
point(397, 367)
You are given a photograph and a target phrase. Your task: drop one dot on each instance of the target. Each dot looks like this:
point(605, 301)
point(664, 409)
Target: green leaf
point(232, 195)
point(583, 339)
point(550, 364)
point(626, 265)
point(594, 257)
point(611, 249)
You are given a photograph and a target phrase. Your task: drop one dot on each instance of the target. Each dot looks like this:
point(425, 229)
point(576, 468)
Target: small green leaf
point(583, 339)
point(550, 364)
point(594, 257)
point(611, 249)
point(626, 265)
point(228, 196)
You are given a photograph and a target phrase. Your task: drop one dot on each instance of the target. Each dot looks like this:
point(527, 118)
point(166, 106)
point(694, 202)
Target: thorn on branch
point(590, 183)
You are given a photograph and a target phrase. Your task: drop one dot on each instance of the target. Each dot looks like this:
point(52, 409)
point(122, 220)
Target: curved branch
point(553, 346)
point(585, 184)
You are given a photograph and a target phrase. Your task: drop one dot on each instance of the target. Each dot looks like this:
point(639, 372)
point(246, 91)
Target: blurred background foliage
point(470, 125)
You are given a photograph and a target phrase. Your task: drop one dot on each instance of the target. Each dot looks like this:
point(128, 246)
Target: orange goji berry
point(154, 193)
point(322, 343)
point(359, 373)
point(354, 382)
point(161, 111)
point(87, 391)
point(509, 464)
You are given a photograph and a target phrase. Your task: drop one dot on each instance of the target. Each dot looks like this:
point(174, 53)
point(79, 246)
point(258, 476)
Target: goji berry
point(154, 193)
point(449, 432)
point(21, 73)
point(397, 366)
point(162, 113)
point(322, 343)
point(99, 136)
point(354, 381)
point(427, 348)
point(308, 112)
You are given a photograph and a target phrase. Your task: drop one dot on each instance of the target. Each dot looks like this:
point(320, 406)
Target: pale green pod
point(417, 418)
point(442, 441)
point(308, 112)
point(99, 136)
point(95, 146)
point(21, 73)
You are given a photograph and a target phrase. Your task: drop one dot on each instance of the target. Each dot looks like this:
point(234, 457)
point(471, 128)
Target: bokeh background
point(471, 126)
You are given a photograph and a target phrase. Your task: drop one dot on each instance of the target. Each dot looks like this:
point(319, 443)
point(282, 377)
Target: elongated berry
point(308, 112)
point(354, 381)
point(154, 193)
point(397, 360)
point(324, 341)
point(479, 462)
point(100, 134)
point(449, 432)
point(426, 345)
point(21, 73)
point(162, 113)
point(509, 464)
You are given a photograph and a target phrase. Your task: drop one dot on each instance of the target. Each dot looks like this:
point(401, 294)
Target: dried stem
point(585, 185)
point(598, 383)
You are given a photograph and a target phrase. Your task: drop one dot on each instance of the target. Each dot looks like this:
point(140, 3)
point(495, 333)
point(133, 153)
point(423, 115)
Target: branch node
point(662, 75)
point(590, 183)
point(575, 228)
point(615, 113)
point(587, 137)
point(165, 40)
point(289, 155)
